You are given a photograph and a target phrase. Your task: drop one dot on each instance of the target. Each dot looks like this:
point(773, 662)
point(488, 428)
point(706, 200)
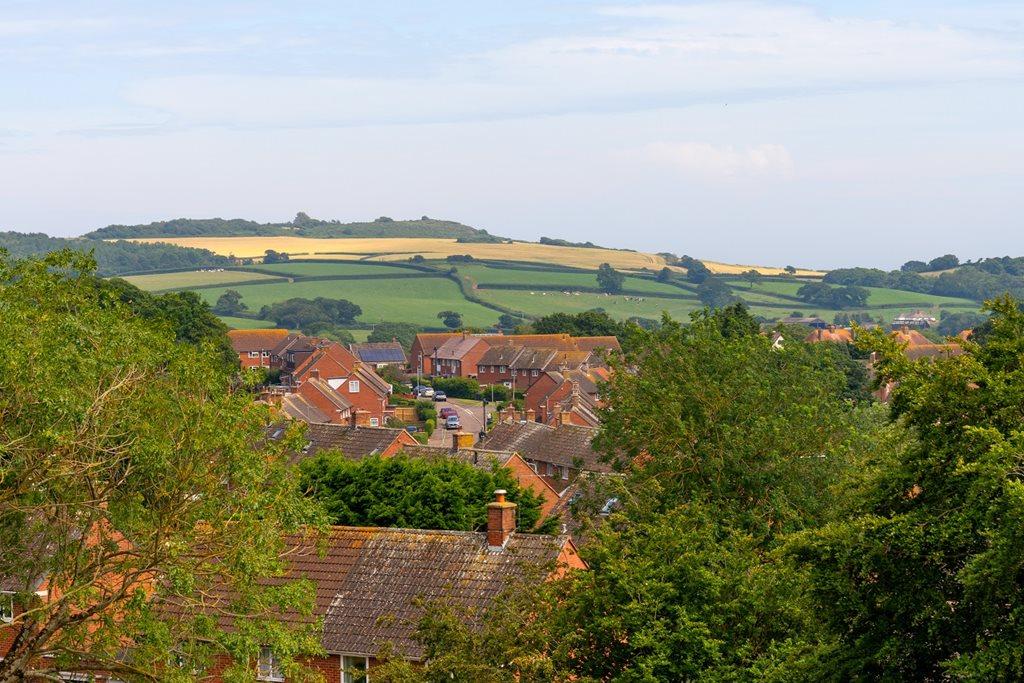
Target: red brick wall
point(365, 399)
point(261, 362)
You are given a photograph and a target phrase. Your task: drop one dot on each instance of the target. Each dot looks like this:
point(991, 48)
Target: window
point(265, 354)
point(353, 386)
point(354, 670)
point(254, 354)
point(504, 368)
point(374, 422)
point(6, 608)
point(565, 472)
point(533, 372)
point(268, 667)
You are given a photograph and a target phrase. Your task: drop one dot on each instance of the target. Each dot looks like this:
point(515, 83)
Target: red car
point(446, 412)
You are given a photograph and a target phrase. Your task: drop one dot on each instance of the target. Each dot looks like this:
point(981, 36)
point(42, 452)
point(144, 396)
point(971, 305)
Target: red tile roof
point(244, 341)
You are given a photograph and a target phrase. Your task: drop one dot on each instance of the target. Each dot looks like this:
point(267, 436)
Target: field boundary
point(583, 289)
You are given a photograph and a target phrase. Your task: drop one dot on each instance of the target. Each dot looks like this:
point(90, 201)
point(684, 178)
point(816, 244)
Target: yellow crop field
point(401, 248)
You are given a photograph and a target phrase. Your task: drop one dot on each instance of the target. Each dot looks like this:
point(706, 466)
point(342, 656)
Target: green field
point(484, 275)
point(193, 278)
point(301, 269)
point(416, 301)
point(246, 323)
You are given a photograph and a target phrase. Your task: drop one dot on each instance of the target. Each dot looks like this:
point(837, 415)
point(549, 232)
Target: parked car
point(424, 391)
point(440, 396)
point(452, 422)
point(412, 429)
point(447, 412)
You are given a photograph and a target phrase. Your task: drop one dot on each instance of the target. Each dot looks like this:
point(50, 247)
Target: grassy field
point(878, 296)
point(196, 278)
point(246, 323)
point(416, 301)
point(301, 269)
point(401, 248)
point(484, 275)
point(617, 306)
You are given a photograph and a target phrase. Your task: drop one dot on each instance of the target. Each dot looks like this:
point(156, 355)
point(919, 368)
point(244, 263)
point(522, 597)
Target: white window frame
point(268, 668)
point(353, 386)
point(6, 607)
point(254, 354)
point(533, 373)
point(347, 676)
point(374, 422)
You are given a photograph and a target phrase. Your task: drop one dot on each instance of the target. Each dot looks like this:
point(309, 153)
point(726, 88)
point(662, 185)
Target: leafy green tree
point(404, 333)
point(451, 319)
point(507, 321)
point(665, 275)
point(609, 279)
point(696, 271)
point(713, 292)
point(954, 323)
point(230, 303)
point(130, 479)
point(790, 270)
point(585, 324)
point(271, 256)
point(413, 493)
point(309, 314)
point(751, 277)
point(921, 579)
point(914, 267)
point(944, 262)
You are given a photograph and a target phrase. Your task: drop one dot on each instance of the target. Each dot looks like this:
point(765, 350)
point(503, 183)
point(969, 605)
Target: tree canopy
point(412, 493)
point(129, 479)
point(609, 279)
point(310, 314)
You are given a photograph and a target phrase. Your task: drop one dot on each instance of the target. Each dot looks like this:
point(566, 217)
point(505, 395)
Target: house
point(566, 397)
point(422, 351)
point(355, 441)
point(557, 453)
point(356, 382)
point(459, 356)
point(293, 350)
point(317, 394)
point(381, 354)
point(489, 460)
point(843, 335)
point(371, 583)
point(254, 347)
point(918, 319)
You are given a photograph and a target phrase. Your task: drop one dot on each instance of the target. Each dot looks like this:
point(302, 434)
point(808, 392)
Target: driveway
point(470, 415)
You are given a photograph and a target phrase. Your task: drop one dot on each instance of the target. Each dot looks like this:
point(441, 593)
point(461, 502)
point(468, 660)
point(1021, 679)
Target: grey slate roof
point(378, 574)
point(562, 445)
point(354, 443)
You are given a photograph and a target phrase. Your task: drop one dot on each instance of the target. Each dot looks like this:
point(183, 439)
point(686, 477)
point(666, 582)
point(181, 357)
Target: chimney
point(501, 521)
point(314, 373)
point(531, 415)
point(462, 441)
point(565, 417)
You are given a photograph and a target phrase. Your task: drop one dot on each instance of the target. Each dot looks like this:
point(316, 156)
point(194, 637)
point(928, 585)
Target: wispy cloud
point(646, 57)
point(706, 161)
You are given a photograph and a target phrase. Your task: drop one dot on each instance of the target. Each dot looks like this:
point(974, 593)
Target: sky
point(817, 134)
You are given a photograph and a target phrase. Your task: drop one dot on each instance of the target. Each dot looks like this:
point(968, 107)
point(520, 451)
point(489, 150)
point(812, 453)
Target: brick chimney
point(531, 415)
point(501, 521)
point(462, 441)
point(565, 417)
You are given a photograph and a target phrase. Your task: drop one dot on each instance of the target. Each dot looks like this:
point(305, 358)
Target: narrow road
point(471, 417)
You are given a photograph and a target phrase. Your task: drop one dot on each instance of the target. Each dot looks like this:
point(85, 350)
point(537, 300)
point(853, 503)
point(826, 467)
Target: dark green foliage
point(665, 275)
point(914, 267)
point(451, 319)
point(404, 333)
point(609, 279)
point(696, 271)
point(230, 303)
point(307, 314)
point(944, 262)
point(751, 277)
point(714, 292)
point(271, 256)
point(567, 243)
point(953, 324)
point(507, 321)
point(412, 493)
point(791, 270)
point(114, 258)
point(585, 324)
point(459, 258)
point(922, 579)
point(457, 387)
point(186, 314)
point(821, 294)
point(301, 226)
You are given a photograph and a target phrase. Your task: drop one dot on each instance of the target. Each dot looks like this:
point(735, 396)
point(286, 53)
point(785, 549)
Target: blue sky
point(814, 133)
